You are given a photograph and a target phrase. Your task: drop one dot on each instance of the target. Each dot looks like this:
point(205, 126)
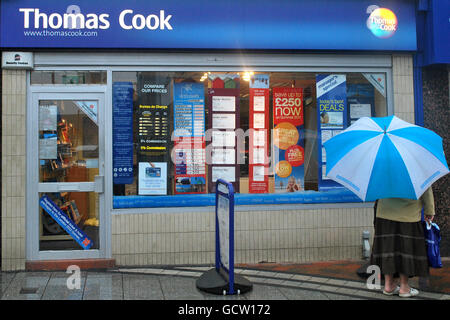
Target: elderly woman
point(399, 244)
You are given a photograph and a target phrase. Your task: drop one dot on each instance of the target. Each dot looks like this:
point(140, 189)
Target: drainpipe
point(365, 244)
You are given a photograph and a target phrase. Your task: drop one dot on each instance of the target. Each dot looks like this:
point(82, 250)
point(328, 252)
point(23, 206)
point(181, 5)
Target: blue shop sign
point(199, 24)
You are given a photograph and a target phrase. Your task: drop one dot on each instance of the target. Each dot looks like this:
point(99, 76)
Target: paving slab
point(265, 292)
point(5, 280)
point(27, 286)
point(301, 294)
point(142, 287)
point(58, 288)
point(179, 288)
point(103, 286)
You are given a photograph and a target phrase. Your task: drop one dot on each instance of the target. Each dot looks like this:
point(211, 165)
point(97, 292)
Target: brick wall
point(13, 169)
point(299, 236)
point(437, 118)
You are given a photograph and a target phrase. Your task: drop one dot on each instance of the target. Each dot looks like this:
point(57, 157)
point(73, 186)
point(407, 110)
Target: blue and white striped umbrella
point(385, 157)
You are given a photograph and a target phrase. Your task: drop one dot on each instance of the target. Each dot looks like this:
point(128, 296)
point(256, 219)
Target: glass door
point(69, 174)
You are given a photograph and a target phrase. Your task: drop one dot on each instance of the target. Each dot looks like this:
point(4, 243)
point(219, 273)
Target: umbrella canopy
point(385, 157)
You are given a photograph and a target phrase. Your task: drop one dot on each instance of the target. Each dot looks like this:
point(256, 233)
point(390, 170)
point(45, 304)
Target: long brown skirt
point(399, 247)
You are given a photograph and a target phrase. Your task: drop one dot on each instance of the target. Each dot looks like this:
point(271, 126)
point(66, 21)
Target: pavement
point(335, 280)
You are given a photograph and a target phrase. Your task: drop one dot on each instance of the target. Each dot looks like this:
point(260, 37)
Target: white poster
point(225, 173)
point(259, 138)
point(258, 155)
point(48, 148)
point(259, 120)
point(48, 118)
point(223, 121)
point(359, 110)
point(223, 219)
point(223, 156)
point(258, 173)
point(223, 138)
point(223, 103)
point(259, 103)
point(324, 172)
point(152, 178)
point(326, 135)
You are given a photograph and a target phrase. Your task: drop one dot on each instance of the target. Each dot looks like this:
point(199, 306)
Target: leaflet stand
point(221, 279)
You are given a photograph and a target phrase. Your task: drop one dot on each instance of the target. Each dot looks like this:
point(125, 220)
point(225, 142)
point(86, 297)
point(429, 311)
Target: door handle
point(69, 187)
point(99, 182)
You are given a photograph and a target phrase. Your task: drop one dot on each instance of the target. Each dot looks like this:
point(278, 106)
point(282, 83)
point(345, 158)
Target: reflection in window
point(68, 77)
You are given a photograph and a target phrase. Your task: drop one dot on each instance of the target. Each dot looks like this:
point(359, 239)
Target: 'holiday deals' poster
point(289, 150)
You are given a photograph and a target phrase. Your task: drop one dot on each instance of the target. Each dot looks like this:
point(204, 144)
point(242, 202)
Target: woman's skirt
point(399, 247)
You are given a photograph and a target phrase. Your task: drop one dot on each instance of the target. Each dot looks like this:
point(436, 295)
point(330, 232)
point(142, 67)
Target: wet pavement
point(319, 281)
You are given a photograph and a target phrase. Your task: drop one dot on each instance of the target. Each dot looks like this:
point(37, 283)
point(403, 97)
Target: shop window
point(176, 133)
point(68, 77)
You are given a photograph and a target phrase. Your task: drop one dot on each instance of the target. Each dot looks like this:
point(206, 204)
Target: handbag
point(432, 240)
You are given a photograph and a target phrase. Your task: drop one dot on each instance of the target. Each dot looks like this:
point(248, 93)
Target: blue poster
point(65, 222)
point(331, 90)
point(189, 109)
point(189, 132)
point(123, 132)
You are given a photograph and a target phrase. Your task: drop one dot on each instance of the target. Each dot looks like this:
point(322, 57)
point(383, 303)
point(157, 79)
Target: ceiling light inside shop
point(247, 75)
point(204, 76)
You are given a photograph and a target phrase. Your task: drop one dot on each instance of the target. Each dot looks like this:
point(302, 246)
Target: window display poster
point(224, 80)
point(361, 101)
point(65, 222)
point(48, 118)
point(152, 178)
point(189, 109)
point(155, 97)
point(224, 173)
point(48, 147)
point(226, 103)
point(90, 108)
point(378, 80)
point(331, 92)
point(122, 132)
point(289, 152)
point(258, 136)
point(189, 158)
point(259, 81)
point(189, 131)
point(223, 118)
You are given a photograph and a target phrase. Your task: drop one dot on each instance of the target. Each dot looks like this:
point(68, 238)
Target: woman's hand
point(429, 218)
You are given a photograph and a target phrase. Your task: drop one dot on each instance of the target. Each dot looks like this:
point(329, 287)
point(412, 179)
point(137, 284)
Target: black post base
point(213, 282)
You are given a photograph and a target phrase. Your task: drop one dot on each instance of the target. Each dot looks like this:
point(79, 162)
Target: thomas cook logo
point(382, 22)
